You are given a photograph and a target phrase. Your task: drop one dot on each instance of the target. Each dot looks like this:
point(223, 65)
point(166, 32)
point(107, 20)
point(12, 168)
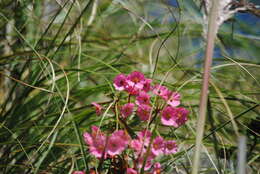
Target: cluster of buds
point(150, 104)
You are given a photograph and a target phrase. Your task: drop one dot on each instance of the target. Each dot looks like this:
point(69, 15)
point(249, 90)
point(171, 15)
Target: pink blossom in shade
point(123, 135)
point(143, 98)
point(180, 116)
point(170, 147)
point(97, 148)
point(161, 91)
point(174, 99)
point(158, 146)
point(78, 172)
point(157, 168)
point(116, 144)
point(96, 141)
point(120, 82)
point(147, 85)
point(144, 136)
point(97, 107)
point(167, 118)
point(144, 112)
point(131, 171)
point(136, 145)
point(127, 109)
point(95, 131)
point(88, 138)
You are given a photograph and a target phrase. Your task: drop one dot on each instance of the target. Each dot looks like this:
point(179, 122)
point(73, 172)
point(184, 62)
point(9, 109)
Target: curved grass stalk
point(101, 61)
point(93, 13)
point(23, 83)
point(211, 160)
point(242, 67)
point(63, 109)
point(230, 114)
point(151, 56)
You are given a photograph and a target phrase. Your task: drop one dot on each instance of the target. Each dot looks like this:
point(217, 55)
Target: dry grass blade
point(212, 31)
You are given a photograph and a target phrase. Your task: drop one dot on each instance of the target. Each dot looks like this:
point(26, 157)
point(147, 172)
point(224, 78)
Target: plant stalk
point(211, 35)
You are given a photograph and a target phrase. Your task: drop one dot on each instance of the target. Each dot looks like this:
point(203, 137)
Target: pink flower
point(90, 137)
point(161, 91)
point(116, 143)
point(157, 168)
point(136, 77)
point(136, 145)
point(95, 131)
point(96, 141)
point(78, 172)
point(174, 116)
point(133, 88)
point(97, 148)
point(174, 99)
point(144, 136)
point(170, 147)
point(143, 98)
point(97, 107)
point(158, 146)
point(127, 109)
point(124, 136)
point(120, 82)
point(144, 112)
point(168, 116)
point(134, 83)
point(180, 116)
point(147, 85)
point(131, 171)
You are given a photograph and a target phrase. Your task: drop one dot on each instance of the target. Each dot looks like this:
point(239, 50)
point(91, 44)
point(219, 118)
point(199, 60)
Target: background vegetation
point(59, 56)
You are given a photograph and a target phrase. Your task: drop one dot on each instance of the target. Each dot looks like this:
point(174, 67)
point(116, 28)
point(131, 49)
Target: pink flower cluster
point(136, 84)
point(159, 146)
point(141, 93)
point(101, 146)
point(132, 83)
